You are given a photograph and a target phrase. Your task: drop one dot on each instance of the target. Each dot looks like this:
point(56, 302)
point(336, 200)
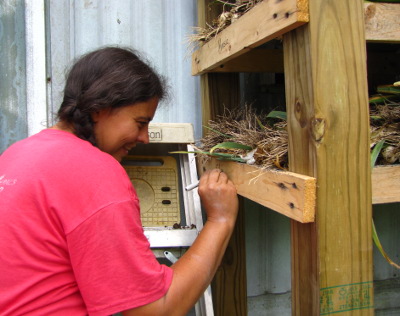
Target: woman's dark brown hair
point(110, 77)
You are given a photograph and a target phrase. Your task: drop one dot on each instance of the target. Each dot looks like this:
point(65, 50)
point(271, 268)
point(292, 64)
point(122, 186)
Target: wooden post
point(328, 122)
point(229, 287)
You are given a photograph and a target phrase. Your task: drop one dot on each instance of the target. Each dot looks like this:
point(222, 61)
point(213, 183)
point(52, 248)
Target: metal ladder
point(169, 241)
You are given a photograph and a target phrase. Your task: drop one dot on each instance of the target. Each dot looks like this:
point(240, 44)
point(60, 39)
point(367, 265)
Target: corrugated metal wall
point(157, 28)
point(267, 261)
point(13, 120)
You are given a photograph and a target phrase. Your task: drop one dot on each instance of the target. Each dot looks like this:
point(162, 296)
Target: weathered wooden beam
point(328, 125)
point(386, 184)
point(290, 194)
point(267, 20)
point(382, 22)
point(294, 195)
point(229, 287)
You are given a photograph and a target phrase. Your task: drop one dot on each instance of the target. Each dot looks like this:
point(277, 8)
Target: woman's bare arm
point(194, 271)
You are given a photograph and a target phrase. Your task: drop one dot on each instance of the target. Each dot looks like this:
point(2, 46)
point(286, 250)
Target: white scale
point(171, 216)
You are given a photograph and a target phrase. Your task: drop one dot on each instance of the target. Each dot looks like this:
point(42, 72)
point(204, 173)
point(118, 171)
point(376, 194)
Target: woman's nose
point(144, 135)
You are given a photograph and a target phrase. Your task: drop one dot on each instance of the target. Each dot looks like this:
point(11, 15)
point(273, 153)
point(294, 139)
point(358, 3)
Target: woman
point(71, 240)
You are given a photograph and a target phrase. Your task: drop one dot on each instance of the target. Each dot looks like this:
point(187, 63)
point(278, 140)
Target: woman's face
point(119, 130)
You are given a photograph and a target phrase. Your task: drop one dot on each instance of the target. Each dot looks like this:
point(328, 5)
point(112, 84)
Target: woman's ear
point(98, 115)
point(95, 116)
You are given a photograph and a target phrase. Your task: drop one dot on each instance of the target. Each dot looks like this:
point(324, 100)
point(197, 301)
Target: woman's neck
point(62, 126)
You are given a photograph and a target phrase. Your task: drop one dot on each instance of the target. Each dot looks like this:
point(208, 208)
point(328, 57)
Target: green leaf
point(231, 158)
point(230, 145)
point(380, 248)
point(227, 155)
point(278, 114)
point(391, 89)
point(376, 151)
point(374, 156)
point(217, 132)
point(219, 156)
point(259, 123)
point(223, 155)
point(377, 99)
point(188, 152)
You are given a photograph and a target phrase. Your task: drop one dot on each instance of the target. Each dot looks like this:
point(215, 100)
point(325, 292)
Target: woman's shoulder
point(53, 149)
point(53, 154)
point(70, 149)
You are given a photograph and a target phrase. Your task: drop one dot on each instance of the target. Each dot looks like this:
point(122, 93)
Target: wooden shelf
point(232, 50)
point(290, 194)
point(251, 30)
point(382, 22)
point(386, 184)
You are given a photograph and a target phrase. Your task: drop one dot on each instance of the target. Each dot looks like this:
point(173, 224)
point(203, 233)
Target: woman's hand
point(218, 196)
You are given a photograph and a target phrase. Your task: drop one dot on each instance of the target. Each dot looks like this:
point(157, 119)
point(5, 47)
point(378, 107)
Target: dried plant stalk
point(385, 125)
point(231, 12)
point(269, 137)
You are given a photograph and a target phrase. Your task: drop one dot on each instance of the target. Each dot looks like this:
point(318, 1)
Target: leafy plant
point(374, 155)
point(230, 145)
point(219, 155)
point(376, 151)
point(386, 93)
point(278, 114)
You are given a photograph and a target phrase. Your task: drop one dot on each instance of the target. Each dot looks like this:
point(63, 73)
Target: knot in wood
point(317, 129)
point(300, 116)
point(369, 12)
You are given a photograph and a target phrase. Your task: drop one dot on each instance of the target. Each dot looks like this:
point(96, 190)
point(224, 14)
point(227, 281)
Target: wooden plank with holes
point(328, 125)
point(287, 193)
point(267, 20)
point(382, 22)
point(386, 184)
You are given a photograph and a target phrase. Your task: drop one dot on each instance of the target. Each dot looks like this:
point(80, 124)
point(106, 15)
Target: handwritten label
point(348, 297)
point(223, 44)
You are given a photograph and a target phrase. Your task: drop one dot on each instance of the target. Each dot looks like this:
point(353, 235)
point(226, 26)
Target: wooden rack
point(232, 50)
point(269, 20)
point(320, 38)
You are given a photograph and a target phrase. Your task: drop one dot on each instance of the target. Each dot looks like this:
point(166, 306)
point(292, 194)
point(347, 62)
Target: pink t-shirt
point(71, 240)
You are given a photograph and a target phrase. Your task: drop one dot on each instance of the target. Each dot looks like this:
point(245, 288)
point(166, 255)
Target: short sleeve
point(114, 266)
